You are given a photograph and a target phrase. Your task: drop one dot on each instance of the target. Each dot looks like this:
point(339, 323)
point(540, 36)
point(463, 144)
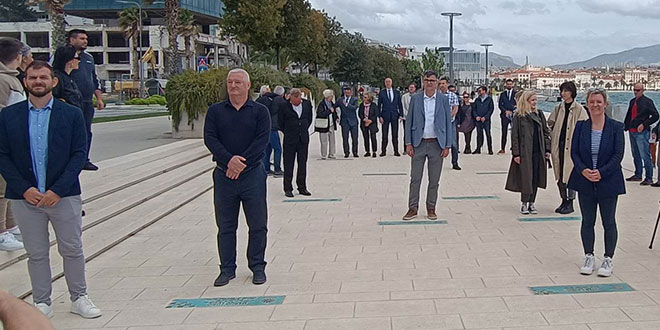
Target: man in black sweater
point(236, 132)
point(482, 110)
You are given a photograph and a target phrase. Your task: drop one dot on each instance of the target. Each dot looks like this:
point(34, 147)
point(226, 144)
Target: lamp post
point(451, 43)
point(486, 46)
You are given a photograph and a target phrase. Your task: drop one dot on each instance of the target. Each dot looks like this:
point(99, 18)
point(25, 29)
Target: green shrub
point(310, 82)
point(266, 76)
point(154, 99)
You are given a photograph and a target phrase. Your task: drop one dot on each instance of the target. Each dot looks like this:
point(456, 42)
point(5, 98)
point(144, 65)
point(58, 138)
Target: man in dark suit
point(349, 121)
point(43, 148)
point(295, 119)
point(482, 110)
point(507, 105)
point(641, 115)
point(390, 109)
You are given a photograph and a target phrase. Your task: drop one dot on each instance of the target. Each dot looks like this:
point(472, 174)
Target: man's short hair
point(10, 48)
point(295, 92)
point(74, 33)
point(37, 64)
point(264, 89)
point(569, 86)
point(239, 70)
point(279, 90)
point(451, 86)
point(483, 87)
point(430, 73)
point(508, 80)
point(443, 78)
point(25, 50)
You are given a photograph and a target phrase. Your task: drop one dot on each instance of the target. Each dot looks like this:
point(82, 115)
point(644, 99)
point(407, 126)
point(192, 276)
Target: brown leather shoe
point(501, 152)
point(412, 214)
point(430, 213)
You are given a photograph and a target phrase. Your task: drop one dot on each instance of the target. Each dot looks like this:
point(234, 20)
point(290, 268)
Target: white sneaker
point(589, 265)
point(84, 307)
point(606, 268)
point(524, 209)
point(45, 309)
point(8, 242)
point(17, 233)
point(532, 209)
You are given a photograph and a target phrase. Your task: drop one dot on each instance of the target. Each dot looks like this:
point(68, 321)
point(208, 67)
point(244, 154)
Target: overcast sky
point(549, 32)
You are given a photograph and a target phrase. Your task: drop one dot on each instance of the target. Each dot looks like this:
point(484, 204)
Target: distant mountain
point(501, 61)
point(641, 56)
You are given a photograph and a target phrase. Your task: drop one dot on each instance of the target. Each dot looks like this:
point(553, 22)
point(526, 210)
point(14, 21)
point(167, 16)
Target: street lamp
point(140, 73)
point(451, 43)
point(486, 46)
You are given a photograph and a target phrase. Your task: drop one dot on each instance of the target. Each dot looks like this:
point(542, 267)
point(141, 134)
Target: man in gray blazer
point(429, 135)
point(348, 106)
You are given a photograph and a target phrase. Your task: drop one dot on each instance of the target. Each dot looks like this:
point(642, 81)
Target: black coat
point(647, 114)
point(296, 130)
point(66, 90)
point(373, 116)
point(273, 102)
point(322, 111)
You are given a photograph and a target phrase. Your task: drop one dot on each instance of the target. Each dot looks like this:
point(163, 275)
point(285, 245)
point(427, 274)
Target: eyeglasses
point(602, 90)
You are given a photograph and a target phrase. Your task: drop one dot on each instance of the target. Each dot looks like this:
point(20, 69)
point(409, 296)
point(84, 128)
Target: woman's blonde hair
point(524, 107)
point(327, 93)
point(369, 96)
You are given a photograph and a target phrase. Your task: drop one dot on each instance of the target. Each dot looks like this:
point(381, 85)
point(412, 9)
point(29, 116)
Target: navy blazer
point(67, 150)
point(506, 103)
point(348, 114)
point(390, 110)
point(610, 156)
point(483, 108)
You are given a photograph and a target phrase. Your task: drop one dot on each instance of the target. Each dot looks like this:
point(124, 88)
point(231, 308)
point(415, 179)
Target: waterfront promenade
point(150, 238)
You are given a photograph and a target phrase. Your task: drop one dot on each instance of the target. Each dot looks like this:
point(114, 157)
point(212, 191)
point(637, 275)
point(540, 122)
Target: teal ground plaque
point(321, 200)
point(538, 219)
point(226, 302)
point(412, 222)
point(384, 174)
point(584, 288)
point(470, 197)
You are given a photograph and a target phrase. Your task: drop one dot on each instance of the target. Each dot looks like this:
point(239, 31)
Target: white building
point(635, 75)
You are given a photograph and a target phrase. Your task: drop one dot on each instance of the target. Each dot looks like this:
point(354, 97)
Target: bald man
point(390, 108)
point(641, 115)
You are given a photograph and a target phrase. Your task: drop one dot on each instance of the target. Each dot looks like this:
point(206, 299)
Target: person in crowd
point(42, 183)
point(348, 107)
point(597, 176)
point(443, 87)
point(390, 108)
point(236, 132)
point(507, 105)
point(26, 51)
point(326, 124)
point(368, 113)
point(10, 92)
point(430, 115)
point(295, 119)
point(530, 147)
point(562, 123)
point(405, 104)
point(656, 135)
point(482, 110)
point(639, 118)
point(465, 122)
point(88, 83)
point(272, 101)
point(65, 61)
point(16, 314)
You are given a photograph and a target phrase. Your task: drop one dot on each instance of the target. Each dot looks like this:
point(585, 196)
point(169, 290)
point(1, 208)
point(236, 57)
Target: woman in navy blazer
point(597, 151)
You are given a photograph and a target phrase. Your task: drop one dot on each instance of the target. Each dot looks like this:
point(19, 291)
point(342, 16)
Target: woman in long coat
point(326, 124)
point(530, 146)
point(465, 123)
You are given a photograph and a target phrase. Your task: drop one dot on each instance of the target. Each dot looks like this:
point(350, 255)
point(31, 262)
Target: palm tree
point(56, 12)
point(172, 8)
point(616, 84)
point(129, 21)
point(189, 31)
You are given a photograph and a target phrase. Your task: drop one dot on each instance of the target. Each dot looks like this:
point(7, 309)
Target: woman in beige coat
point(562, 123)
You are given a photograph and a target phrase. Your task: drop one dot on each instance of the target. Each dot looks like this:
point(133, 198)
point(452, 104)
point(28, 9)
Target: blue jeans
point(639, 143)
point(277, 146)
point(250, 191)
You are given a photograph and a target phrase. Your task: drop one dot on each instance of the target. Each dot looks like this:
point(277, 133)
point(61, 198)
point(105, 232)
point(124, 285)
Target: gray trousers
point(328, 140)
point(66, 219)
point(427, 150)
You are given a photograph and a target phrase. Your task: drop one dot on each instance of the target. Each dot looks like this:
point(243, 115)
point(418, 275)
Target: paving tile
point(427, 322)
point(351, 297)
point(643, 313)
point(614, 299)
point(151, 317)
point(313, 311)
point(470, 305)
point(383, 323)
point(272, 325)
point(540, 303)
point(394, 308)
point(229, 314)
point(591, 315)
point(376, 286)
point(625, 325)
point(505, 319)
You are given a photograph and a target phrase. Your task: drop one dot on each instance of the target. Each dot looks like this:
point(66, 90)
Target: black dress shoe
point(397, 154)
point(374, 156)
point(467, 151)
point(259, 277)
point(367, 154)
point(383, 154)
point(288, 194)
point(634, 179)
point(345, 155)
point(476, 152)
point(657, 184)
point(456, 167)
point(568, 208)
point(563, 204)
point(355, 155)
point(304, 192)
point(490, 152)
point(646, 183)
point(223, 279)
point(90, 167)
point(278, 173)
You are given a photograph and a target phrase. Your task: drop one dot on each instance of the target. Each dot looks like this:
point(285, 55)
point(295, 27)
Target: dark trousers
point(564, 192)
point(353, 131)
point(88, 114)
point(468, 141)
point(404, 134)
point(249, 190)
point(369, 135)
point(454, 146)
point(274, 145)
point(394, 124)
point(506, 122)
point(293, 152)
point(607, 206)
point(481, 127)
point(529, 198)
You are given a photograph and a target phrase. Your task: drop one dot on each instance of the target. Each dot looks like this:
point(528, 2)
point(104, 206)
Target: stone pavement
point(339, 269)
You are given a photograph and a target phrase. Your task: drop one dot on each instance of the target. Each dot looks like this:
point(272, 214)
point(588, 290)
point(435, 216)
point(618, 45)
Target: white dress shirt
point(298, 109)
point(429, 116)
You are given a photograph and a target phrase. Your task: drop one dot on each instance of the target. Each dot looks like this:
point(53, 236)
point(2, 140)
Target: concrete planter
point(193, 131)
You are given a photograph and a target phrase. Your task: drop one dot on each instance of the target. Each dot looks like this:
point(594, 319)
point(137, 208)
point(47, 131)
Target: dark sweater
point(85, 77)
point(483, 108)
point(228, 133)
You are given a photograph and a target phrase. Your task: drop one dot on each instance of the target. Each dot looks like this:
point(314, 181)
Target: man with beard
point(86, 80)
point(41, 166)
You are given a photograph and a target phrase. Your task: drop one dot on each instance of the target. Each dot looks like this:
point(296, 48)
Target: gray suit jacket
point(415, 120)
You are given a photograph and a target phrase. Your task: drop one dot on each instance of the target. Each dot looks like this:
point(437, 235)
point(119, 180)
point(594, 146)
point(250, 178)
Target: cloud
point(649, 9)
